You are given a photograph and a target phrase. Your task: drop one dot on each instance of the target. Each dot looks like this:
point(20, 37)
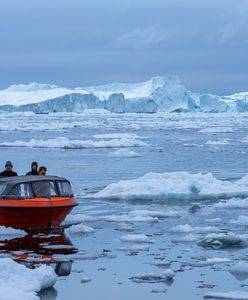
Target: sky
point(88, 42)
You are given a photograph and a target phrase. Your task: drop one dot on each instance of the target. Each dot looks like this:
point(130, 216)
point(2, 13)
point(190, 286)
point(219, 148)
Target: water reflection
point(41, 247)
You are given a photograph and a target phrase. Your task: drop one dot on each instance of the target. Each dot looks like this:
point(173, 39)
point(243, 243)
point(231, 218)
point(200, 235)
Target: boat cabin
point(27, 187)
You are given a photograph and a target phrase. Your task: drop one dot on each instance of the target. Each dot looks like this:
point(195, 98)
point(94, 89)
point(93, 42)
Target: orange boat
point(28, 202)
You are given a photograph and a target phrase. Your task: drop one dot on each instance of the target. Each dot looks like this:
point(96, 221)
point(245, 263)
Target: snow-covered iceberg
point(159, 94)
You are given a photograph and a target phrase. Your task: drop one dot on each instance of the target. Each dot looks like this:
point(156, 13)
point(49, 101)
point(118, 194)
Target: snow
point(18, 282)
point(64, 142)
point(21, 94)
point(233, 295)
point(175, 185)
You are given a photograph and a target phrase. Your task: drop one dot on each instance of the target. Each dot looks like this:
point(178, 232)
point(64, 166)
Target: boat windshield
point(44, 189)
point(65, 188)
point(2, 187)
point(22, 190)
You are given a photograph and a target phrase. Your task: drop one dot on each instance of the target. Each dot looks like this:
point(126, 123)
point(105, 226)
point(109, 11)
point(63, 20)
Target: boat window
point(22, 190)
point(44, 189)
point(2, 187)
point(65, 188)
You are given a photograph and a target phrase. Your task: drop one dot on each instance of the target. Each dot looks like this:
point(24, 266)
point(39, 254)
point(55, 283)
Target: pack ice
point(166, 94)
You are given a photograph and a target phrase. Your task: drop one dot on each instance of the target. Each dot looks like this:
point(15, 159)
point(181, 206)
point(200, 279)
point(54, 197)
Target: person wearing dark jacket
point(8, 170)
point(34, 169)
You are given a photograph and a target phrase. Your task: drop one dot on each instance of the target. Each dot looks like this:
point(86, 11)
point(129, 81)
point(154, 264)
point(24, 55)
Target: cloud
point(235, 27)
point(147, 36)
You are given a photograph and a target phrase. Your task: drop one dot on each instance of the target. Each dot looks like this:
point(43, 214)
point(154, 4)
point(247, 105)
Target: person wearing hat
point(34, 169)
point(8, 170)
point(42, 171)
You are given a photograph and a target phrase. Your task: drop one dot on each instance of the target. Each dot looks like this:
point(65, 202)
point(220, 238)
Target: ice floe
point(166, 277)
point(186, 228)
point(175, 185)
point(64, 142)
point(79, 229)
point(124, 153)
point(18, 282)
point(136, 238)
point(232, 295)
point(223, 241)
point(240, 270)
point(76, 219)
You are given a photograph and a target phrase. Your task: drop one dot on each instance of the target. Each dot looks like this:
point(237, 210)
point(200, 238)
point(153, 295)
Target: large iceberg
point(159, 94)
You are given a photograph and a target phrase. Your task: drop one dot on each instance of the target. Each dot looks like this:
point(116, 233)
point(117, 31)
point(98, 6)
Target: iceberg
point(159, 94)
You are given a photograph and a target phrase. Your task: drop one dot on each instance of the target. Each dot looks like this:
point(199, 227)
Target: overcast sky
point(86, 42)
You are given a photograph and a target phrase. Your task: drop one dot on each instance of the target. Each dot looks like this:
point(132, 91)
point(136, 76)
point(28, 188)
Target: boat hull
point(35, 213)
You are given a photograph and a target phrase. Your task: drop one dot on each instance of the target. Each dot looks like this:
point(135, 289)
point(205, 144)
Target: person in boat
point(8, 170)
point(34, 169)
point(42, 171)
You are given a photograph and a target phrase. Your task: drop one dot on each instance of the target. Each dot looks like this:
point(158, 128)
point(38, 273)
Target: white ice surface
point(33, 93)
point(136, 238)
point(20, 283)
point(175, 185)
point(63, 142)
point(124, 153)
point(233, 295)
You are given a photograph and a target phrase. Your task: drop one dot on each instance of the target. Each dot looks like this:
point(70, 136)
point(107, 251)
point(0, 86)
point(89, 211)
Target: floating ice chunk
point(219, 142)
point(140, 247)
point(80, 229)
point(166, 277)
point(214, 220)
point(242, 220)
point(154, 213)
point(187, 228)
point(232, 203)
point(18, 282)
point(174, 186)
point(76, 219)
point(124, 153)
point(63, 142)
point(240, 270)
point(189, 238)
point(110, 136)
point(10, 233)
point(233, 295)
point(127, 218)
point(223, 241)
point(211, 261)
point(136, 238)
point(85, 279)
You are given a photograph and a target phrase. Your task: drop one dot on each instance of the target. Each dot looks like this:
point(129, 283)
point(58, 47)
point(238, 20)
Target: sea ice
point(18, 282)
